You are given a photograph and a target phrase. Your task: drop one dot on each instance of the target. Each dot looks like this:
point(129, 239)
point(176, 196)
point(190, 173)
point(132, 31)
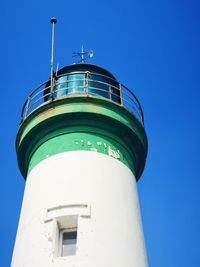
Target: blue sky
point(152, 47)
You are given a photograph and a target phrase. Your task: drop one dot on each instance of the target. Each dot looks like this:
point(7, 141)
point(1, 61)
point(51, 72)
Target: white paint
point(113, 153)
point(98, 190)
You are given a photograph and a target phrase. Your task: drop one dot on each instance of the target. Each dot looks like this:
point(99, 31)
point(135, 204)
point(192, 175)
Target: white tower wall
point(92, 190)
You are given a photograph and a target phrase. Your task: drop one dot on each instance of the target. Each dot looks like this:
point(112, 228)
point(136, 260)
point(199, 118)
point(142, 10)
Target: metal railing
point(82, 83)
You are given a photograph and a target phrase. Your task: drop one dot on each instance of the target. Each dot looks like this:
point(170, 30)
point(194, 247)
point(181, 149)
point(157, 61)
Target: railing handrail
point(125, 97)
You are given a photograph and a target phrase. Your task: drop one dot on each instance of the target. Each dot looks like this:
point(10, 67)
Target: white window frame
point(61, 218)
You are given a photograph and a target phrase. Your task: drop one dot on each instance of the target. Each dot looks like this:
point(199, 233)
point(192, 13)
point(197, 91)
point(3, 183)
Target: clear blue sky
point(152, 47)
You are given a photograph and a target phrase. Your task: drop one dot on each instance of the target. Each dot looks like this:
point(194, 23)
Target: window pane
point(75, 83)
point(61, 87)
point(97, 85)
point(69, 240)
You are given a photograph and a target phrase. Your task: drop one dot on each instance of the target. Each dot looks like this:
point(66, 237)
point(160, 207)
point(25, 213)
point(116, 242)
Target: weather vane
point(84, 55)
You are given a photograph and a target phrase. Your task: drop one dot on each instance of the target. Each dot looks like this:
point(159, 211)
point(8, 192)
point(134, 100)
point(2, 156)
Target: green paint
point(80, 141)
point(76, 104)
point(54, 128)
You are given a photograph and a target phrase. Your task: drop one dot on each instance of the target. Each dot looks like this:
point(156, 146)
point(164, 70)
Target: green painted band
point(80, 141)
point(82, 104)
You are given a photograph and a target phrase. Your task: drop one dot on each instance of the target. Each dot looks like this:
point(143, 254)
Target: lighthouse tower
point(81, 147)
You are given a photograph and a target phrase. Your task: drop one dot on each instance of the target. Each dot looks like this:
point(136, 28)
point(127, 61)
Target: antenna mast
point(53, 22)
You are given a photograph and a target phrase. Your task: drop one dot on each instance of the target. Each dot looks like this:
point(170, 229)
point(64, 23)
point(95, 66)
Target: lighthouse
point(81, 147)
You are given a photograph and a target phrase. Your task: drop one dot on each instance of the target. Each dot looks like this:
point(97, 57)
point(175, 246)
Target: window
point(62, 227)
point(98, 85)
point(68, 238)
point(75, 83)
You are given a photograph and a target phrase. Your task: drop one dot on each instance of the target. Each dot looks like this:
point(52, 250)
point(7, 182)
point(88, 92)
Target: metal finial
point(53, 20)
point(83, 55)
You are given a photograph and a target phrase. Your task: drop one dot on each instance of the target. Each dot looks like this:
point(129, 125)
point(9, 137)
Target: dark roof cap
point(85, 67)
